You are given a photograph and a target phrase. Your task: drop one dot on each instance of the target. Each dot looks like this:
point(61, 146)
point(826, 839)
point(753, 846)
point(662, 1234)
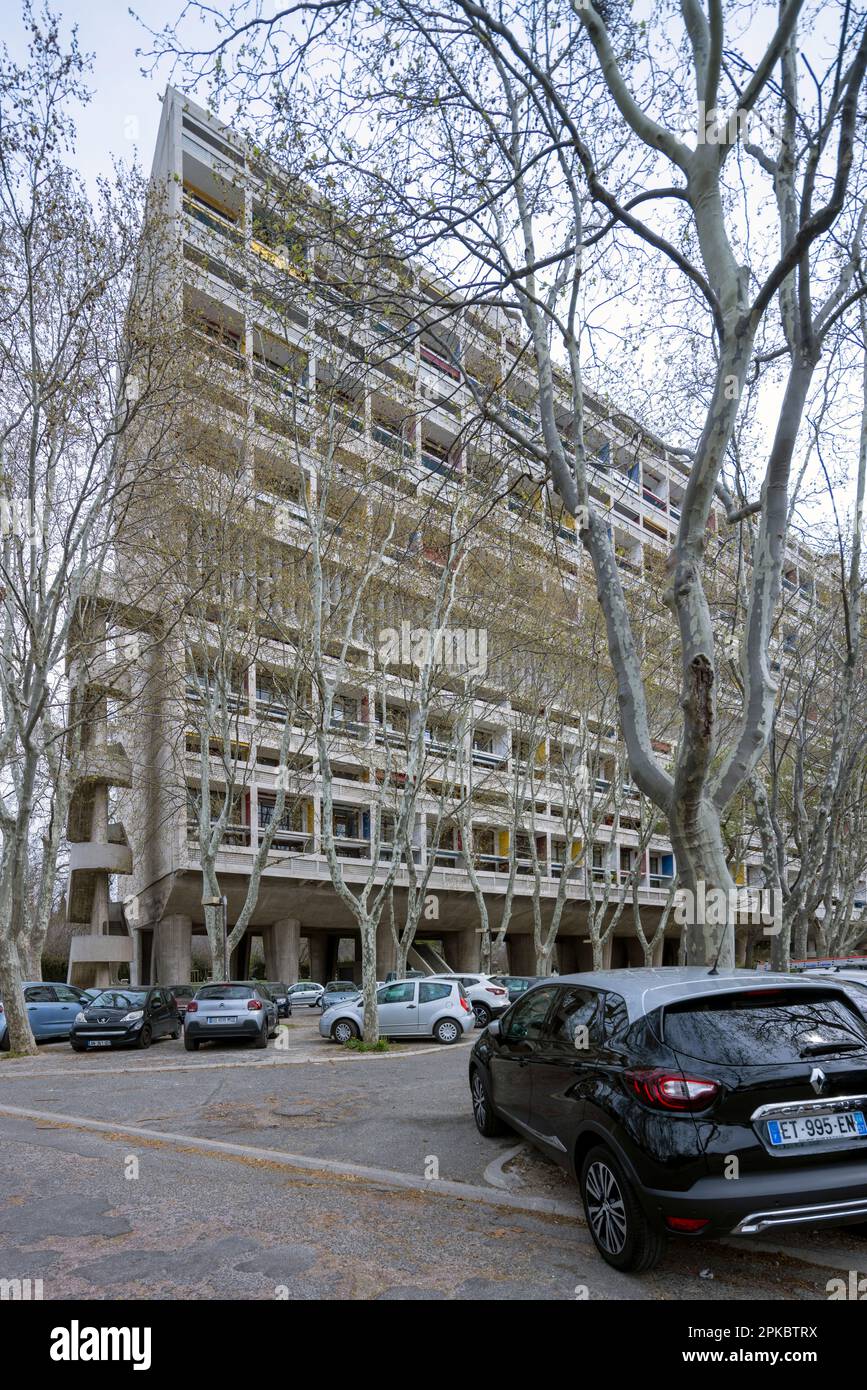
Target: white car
point(407, 1009)
point(305, 992)
point(488, 998)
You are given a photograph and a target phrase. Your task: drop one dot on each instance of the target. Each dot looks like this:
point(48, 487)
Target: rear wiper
point(816, 1049)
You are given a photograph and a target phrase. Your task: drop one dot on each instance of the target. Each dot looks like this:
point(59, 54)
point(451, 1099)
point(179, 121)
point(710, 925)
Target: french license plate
point(99, 1042)
point(224, 1018)
point(813, 1129)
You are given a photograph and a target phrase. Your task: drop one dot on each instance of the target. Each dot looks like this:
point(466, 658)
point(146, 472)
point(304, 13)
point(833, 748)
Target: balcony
point(90, 856)
point(105, 764)
point(210, 217)
point(484, 758)
point(350, 847)
point(445, 858)
point(235, 836)
point(439, 363)
point(349, 728)
point(298, 841)
point(390, 440)
point(434, 463)
point(652, 498)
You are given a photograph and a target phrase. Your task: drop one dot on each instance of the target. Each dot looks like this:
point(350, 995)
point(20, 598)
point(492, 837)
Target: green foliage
point(359, 1045)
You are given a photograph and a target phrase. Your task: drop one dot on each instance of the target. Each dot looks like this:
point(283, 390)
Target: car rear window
point(225, 992)
point(762, 1028)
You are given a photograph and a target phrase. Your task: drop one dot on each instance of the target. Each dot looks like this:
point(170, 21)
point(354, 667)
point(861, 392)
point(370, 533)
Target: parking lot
point(310, 1171)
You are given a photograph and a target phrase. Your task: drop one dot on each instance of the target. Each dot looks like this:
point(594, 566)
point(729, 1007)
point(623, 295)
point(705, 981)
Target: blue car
point(338, 992)
point(51, 1007)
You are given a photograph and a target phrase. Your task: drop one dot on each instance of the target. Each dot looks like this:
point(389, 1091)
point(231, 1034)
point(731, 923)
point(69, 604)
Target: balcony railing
point(234, 836)
point(489, 757)
point(211, 218)
point(652, 498)
point(434, 464)
point(390, 440)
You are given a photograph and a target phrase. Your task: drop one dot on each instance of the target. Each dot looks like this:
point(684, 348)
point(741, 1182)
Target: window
point(614, 1015)
point(40, 994)
point(67, 995)
point(574, 1016)
point(428, 993)
point(526, 1019)
point(396, 994)
point(765, 1028)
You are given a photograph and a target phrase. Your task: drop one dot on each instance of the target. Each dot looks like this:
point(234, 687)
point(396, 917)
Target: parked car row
point(647, 1085)
point(133, 1016)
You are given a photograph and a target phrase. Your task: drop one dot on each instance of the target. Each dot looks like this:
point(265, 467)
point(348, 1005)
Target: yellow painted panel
point(741, 875)
point(310, 818)
point(503, 842)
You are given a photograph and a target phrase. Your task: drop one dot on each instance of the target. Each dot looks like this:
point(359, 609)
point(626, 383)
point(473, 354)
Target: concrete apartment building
point(132, 828)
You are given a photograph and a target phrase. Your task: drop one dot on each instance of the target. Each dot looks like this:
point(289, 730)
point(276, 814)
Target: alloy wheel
point(479, 1099)
point(606, 1210)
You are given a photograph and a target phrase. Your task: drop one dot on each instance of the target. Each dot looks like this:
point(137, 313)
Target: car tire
point(344, 1030)
point(447, 1031)
point(145, 1037)
point(483, 1015)
point(4, 1042)
point(175, 1033)
point(262, 1039)
point(620, 1230)
point(77, 1046)
point(191, 1044)
point(488, 1122)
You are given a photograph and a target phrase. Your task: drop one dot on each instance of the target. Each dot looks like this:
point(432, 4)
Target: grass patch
point(359, 1045)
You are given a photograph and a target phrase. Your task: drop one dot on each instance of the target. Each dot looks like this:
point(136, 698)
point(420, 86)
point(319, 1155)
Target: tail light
point(664, 1090)
point(464, 1004)
point(254, 1004)
point(491, 989)
point(192, 1007)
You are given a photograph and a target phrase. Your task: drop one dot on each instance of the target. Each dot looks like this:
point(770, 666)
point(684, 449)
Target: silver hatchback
point(407, 1009)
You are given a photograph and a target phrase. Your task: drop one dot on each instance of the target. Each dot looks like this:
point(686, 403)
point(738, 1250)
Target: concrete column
point(522, 957)
point(318, 943)
point(386, 953)
point(463, 950)
point(282, 942)
point(173, 939)
point(567, 955)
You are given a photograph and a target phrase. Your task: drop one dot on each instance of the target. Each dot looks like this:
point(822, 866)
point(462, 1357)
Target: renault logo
point(818, 1080)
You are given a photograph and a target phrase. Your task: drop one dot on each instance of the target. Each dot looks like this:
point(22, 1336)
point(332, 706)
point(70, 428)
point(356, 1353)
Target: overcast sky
point(125, 111)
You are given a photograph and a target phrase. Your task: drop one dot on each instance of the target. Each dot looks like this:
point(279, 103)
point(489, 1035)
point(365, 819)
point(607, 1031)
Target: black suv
point(684, 1102)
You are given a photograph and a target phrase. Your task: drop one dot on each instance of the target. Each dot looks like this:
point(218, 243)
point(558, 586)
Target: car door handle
point(410, 1006)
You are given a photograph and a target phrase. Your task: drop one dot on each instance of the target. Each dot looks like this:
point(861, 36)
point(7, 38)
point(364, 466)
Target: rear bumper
point(244, 1028)
point(829, 1194)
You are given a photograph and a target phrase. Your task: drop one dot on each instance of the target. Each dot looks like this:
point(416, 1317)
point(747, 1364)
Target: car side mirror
point(494, 1028)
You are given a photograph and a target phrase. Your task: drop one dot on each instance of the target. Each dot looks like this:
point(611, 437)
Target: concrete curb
point(380, 1177)
point(494, 1172)
point(276, 1059)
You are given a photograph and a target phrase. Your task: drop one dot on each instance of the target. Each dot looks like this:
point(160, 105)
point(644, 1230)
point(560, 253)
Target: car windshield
point(225, 992)
point(275, 987)
point(121, 999)
point(767, 1027)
